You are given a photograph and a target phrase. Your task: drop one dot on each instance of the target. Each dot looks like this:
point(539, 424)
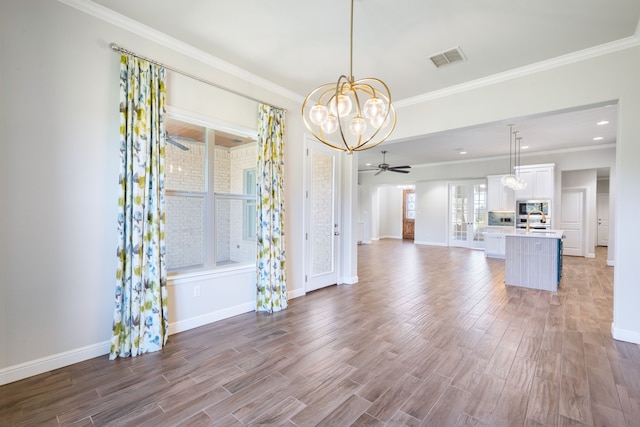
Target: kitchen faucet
point(544, 218)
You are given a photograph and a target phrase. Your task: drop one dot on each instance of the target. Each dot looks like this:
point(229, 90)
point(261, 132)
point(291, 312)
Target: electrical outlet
point(196, 291)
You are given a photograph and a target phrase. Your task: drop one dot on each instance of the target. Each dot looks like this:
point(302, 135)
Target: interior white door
point(323, 231)
point(467, 213)
point(603, 219)
point(572, 222)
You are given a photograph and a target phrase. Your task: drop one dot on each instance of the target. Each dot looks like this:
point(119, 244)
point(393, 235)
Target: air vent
point(448, 57)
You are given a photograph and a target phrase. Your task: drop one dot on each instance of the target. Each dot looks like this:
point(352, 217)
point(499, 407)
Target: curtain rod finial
point(114, 46)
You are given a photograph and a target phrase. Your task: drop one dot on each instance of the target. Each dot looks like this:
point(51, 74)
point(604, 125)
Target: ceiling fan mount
point(384, 166)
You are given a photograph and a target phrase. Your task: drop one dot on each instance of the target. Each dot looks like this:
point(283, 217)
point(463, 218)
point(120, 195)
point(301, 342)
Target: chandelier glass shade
point(513, 180)
point(350, 115)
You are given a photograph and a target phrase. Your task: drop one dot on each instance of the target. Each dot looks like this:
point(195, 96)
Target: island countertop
point(533, 259)
point(519, 232)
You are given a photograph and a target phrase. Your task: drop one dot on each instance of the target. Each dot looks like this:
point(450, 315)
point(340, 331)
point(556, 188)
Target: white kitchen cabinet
point(494, 245)
point(540, 182)
point(499, 197)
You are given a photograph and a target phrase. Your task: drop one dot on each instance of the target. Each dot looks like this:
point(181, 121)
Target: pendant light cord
point(351, 46)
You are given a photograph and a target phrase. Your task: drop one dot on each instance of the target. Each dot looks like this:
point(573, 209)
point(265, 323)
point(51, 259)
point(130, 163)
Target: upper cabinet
point(499, 197)
point(540, 182)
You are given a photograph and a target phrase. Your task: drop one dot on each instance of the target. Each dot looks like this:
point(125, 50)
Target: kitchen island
point(533, 259)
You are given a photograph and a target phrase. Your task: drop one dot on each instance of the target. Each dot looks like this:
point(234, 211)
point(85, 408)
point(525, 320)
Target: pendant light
point(350, 115)
point(513, 180)
point(508, 180)
point(519, 183)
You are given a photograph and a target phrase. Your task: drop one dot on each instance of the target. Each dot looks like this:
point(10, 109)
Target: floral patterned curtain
point(270, 263)
point(140, 322)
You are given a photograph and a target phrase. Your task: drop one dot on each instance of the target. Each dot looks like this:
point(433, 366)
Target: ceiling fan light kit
point(350, 115)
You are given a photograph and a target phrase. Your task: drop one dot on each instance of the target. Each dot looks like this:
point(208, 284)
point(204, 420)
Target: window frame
point(249, 231)
point(209, 227)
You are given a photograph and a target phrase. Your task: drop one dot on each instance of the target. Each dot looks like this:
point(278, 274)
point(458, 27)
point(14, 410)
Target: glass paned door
point(467, 213)
point(323, 236)
point(409, 214)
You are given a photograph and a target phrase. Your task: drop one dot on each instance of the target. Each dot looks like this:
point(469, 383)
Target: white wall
point(59, 162)
point(390, 213)
point(432, 207)
point(594, 80)
point(59, 152)
point(602, 186)
point(364, 211)
point(432, 185)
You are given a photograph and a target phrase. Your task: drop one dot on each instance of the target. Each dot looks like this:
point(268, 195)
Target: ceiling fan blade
point(379, 172)
point(398, 170)
point(172, 141)
point(367, 170)
point(401, 167)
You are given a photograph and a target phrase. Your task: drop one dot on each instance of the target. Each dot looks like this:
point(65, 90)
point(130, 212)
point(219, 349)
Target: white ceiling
point(300, 44)
point(568, 130)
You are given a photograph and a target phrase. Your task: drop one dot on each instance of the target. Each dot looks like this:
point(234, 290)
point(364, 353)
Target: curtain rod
point(117, 48)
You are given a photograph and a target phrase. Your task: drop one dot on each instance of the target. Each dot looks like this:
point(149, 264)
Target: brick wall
point(185, 171)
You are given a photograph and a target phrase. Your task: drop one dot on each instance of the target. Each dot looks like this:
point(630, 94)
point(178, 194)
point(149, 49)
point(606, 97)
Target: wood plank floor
point(430, 336)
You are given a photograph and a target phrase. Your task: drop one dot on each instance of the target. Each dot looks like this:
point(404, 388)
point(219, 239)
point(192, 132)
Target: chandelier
point(512, 180)
point(350, 115)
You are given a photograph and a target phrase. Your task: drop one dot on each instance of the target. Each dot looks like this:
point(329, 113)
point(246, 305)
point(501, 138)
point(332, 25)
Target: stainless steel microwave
point(523, 207)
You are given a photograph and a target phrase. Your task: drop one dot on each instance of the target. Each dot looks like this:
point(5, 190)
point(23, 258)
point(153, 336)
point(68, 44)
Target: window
point(249, 210)
point(210, 214)
point(410, 206)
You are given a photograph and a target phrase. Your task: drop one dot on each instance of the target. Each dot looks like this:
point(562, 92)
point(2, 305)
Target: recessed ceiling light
point(524, 147)
point(463, 152)
point(603, 122)
point(367, 164)
point(598, 138)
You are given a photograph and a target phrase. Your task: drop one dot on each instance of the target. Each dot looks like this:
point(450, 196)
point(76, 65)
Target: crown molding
point(135, 27)
point(582, 55)
point(524, 155)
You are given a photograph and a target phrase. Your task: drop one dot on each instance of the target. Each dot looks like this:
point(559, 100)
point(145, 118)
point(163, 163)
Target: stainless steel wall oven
point(532, 208)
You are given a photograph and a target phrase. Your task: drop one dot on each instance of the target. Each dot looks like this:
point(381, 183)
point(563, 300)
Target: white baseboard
point(590, 256)
point(214, 316)
point(391, 237)
point(625, 335)
point(296, 293)
point(349, 280)
point(55, 361)
point(420, 242)
point(610, 263)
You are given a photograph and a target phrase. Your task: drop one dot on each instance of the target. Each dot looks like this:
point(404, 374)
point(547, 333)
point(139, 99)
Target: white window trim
point(209, 266)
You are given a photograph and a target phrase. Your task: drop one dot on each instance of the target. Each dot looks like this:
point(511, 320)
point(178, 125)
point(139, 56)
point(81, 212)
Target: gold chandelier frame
point(359, 93)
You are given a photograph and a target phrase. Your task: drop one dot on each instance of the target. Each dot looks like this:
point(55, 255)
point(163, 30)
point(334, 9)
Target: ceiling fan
point(174, 140)
point(384, 166)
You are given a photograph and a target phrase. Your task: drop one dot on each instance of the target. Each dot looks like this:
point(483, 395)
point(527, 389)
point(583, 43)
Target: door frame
point(311, 144)
point(599, 237)
point(469, 183)
point(405, 192)
point(583, 219)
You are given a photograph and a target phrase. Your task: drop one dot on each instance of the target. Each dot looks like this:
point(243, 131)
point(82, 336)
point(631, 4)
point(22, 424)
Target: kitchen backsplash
point(502, 218)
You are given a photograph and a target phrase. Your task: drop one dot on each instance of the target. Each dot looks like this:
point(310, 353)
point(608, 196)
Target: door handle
point(336, 233)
